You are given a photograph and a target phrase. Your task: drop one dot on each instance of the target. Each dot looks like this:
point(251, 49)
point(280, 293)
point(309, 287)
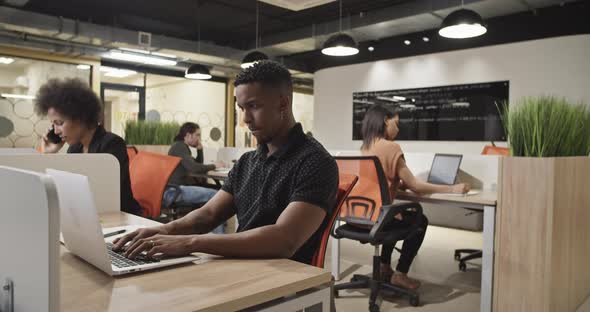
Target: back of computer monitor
point(444, 169)
point(29, 236)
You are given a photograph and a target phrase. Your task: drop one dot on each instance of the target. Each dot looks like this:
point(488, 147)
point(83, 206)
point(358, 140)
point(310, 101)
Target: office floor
point(444, 287)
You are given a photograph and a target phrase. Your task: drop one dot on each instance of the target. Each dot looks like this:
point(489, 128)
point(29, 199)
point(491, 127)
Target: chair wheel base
point(374, 308)
point(415, 301)
point(462, 266)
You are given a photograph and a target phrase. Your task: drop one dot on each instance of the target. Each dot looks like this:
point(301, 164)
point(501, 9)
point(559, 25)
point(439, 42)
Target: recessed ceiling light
point(6, 60)
point(371, 49)
point(407, 42)
point(17, 96)
point(425, 39)
point(83, 67)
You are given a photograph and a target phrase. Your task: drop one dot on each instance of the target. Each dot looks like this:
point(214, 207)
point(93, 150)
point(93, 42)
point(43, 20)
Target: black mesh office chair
point(369, 204)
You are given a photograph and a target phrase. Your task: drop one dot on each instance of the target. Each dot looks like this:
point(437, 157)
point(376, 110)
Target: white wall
point(184, 100)
point(303, 110)
point(555, 66)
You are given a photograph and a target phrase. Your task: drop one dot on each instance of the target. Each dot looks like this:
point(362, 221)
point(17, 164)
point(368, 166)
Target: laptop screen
point(444, 169)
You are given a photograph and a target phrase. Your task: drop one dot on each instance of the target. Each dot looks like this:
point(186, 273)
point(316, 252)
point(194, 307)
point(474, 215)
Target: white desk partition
point(17, 150)
point(29, 227)
point(230, 155)
point(209, 155)
point(102, 171)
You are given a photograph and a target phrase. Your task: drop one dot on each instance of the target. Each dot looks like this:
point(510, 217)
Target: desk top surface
point(484, 198)
point(213, 284)
point(217, 174)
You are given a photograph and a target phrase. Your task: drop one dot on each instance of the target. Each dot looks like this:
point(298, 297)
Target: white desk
point(486, 201)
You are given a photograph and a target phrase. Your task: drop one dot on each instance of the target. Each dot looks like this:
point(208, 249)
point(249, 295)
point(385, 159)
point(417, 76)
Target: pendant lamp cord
point(340, 19)
point(256, 24)
point(198, 29)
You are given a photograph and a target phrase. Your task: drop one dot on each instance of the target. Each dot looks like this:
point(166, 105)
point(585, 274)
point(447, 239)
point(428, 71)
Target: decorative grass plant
point(150, 132)
point(547, 126)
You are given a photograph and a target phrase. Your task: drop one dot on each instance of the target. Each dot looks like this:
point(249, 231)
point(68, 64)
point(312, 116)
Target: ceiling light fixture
point(340, 44)
point(83, 67)
point(116, 72)
point(137, 58)
point(461, 24)
point(407, 42)
point(371, 48)
point(198, 71)
point(6, 60)
point(17, 96)
point(254, 56)
point(425, 39)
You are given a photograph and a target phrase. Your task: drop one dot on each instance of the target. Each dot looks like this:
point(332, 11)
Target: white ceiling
point(297, 5)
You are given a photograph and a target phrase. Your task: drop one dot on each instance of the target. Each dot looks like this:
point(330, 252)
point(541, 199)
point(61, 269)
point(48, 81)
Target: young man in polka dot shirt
point(282, 193)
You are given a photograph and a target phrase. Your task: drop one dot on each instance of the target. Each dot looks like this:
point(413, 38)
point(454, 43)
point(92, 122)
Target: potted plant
point(543, 212)
point(151, 136)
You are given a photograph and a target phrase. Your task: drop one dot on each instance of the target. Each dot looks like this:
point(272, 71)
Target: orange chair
point(346, 183)
point(369, 207)
point(131, 152)
point(149, 173)
point(495, 150)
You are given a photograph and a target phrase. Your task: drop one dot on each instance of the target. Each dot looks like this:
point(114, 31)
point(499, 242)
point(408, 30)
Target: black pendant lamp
point(254, 56)
point(340, 44)
point(197, 71)
point(461, 24)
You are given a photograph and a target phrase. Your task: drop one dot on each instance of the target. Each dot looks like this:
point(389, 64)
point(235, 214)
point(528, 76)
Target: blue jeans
point(190, 196)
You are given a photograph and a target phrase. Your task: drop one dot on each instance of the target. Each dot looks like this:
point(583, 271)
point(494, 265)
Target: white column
point(487, 272)
point(335, 243)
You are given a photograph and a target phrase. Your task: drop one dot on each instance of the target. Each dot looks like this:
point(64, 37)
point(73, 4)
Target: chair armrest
point(388, 212)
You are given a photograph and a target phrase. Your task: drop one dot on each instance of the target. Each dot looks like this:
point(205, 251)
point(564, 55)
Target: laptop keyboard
point(120, 261)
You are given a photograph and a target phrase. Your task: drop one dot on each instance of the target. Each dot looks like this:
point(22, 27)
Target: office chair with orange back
point(495, 150)
point(345, 185)
point(149, 173)
point(369, 208)
point(131, 152)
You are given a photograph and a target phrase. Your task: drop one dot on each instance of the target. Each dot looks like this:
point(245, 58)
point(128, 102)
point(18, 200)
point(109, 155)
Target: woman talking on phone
point(74, 112)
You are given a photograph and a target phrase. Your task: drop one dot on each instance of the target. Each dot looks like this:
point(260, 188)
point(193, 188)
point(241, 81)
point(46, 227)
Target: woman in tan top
point(380, 127)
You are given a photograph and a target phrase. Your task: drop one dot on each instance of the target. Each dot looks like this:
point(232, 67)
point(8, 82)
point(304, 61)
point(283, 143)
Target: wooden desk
point(214, 284)
point(485, 201)
point(217, 176)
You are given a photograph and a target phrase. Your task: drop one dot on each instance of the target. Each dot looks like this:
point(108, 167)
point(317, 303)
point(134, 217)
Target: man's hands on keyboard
point(121, 261)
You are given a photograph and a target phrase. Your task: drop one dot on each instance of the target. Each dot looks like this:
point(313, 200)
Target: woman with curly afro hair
point(74, 112)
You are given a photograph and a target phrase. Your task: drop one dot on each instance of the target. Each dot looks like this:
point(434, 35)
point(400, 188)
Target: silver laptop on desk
point(82, 232)
point(444, 169)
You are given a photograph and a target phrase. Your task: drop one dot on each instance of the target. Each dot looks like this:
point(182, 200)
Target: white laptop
point(82, 232)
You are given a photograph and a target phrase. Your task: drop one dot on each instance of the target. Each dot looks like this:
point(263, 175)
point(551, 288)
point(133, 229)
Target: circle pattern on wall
point(215, 134)
point(152, 115)
point(6, 127)
point(24, 110)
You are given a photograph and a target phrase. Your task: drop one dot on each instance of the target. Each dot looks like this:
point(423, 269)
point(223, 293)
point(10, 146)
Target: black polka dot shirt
point(262, 186)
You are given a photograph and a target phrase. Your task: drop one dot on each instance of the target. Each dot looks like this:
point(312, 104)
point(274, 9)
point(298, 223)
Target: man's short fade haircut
point(266, 72)
point(70, 97)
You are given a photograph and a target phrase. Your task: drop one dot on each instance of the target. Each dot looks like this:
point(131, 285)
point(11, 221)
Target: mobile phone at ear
point(52, 137)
